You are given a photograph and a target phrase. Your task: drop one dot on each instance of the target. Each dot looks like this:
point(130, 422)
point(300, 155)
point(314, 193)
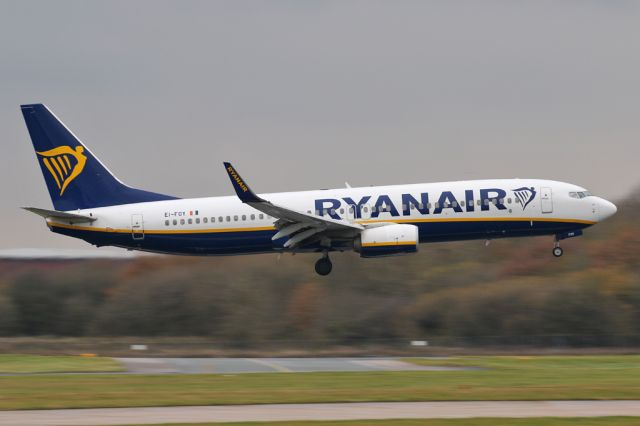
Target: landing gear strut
point(557, 250)
point(324, 265)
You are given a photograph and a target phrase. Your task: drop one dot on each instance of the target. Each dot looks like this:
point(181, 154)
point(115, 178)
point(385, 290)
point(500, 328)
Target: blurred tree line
point(511, 292)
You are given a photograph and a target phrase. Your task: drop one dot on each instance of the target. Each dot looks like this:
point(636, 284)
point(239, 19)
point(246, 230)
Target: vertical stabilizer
point(75, 178)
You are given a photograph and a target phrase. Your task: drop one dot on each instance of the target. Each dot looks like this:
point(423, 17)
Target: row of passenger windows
point(220, 219)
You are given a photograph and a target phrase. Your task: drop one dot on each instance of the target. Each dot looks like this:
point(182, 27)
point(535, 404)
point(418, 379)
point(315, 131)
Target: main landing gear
point(324, 265)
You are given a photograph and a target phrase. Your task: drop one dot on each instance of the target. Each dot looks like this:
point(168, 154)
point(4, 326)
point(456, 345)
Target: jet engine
point(387, 240)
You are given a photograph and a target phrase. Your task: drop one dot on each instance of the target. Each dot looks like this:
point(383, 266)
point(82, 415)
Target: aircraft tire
point(324, 266)
point(557, 251)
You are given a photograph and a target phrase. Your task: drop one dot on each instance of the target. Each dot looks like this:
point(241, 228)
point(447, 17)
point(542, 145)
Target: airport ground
point(546, 421)
point(491, 379)
point(553, 390)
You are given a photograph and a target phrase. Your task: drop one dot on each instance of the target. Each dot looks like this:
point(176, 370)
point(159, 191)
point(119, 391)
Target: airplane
point(90, 203)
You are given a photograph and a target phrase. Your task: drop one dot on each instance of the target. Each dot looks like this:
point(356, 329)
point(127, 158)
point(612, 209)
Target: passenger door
point(137, 227)
point(546, 201)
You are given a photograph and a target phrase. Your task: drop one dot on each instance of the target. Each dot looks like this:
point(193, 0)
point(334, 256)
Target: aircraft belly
point(259, 241)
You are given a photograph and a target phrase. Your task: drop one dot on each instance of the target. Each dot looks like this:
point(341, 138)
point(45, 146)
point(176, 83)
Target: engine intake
point(389, 240)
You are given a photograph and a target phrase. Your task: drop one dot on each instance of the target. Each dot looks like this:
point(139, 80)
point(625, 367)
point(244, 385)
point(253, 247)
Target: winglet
point(245, 193)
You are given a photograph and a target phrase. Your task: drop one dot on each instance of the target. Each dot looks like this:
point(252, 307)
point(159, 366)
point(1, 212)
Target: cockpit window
point(581, 194)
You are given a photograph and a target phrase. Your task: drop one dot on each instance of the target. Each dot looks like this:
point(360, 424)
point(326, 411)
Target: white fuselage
point(444, 211)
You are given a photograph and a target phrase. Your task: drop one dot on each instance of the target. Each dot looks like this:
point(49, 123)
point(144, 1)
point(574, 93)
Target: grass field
point(17, 364)
point(546, 421)
point(505, 378)
point(546, 363)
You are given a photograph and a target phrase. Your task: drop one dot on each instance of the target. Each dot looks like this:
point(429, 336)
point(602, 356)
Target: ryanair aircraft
point(92, 204)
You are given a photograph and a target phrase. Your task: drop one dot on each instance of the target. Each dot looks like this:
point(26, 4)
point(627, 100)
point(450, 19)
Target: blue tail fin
point(75, 178)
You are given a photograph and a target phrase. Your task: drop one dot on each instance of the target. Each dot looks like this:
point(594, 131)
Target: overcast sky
point(304, 95)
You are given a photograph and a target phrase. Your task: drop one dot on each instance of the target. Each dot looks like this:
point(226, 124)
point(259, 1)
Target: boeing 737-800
point(90, 203)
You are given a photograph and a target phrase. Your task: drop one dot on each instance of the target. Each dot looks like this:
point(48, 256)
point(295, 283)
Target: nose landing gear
point(324, 265)
point(557, 250)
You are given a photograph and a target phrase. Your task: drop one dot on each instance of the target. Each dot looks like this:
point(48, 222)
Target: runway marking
point(302, 412)
point(272, 365)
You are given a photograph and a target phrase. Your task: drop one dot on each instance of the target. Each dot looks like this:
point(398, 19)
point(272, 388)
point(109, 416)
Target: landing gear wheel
point(557, 251)
point(324, 266)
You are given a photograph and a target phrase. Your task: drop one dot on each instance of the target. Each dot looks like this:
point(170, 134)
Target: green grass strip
point(503, 378)
point(30, 364)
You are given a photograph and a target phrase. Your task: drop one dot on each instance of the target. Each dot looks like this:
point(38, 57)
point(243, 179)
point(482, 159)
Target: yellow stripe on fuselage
point(162, 231)
point(478, 219)
point(401, 243)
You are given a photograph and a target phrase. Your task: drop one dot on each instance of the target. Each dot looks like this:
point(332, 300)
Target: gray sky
point(306, 95)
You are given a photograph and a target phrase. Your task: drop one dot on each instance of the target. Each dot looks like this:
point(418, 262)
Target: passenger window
point(204, 219)
point(436, 205)
point(181, 221)
point(261, 216)
point(197, 220)
point(365, 209)
point(462, 203)
point(166, 223)
point(253, 217)
point(190, 221)
point(244, 217)
point(235, 218)
point(509, 200)
point(228, 218)
point(486, 202)
point(494, 201)
point(175, 221)
point(501, 200)
point(220, 219)
point(333, 211)
point(341, 211)
point(454, 204)
point(478, 202)
point(429, 206)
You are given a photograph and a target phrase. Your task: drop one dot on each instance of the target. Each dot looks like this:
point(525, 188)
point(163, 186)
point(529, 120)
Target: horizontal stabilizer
point(62, 216)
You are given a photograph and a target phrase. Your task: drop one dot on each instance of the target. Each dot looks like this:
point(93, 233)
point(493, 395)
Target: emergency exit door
point(546, 200)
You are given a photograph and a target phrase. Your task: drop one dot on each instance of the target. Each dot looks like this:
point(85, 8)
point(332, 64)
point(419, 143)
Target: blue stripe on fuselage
point(259, 241)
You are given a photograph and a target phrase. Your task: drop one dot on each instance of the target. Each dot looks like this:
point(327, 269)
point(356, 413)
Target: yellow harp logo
point(64, 164)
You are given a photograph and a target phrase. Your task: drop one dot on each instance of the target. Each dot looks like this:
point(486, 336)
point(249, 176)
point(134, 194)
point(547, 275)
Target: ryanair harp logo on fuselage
point(525, 195)
point(64, 164)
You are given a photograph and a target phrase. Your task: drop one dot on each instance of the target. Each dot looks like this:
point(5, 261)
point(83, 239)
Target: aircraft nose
point(606, 209)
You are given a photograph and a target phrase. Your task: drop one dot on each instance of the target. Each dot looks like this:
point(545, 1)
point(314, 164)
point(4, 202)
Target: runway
point(346, 411)
point(270, 365)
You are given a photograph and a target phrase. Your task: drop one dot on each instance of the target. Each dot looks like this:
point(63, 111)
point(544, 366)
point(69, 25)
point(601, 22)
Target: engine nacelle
point(389, 240)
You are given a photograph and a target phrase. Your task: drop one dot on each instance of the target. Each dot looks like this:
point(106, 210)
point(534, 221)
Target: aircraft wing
point(61, 216)
point(302, 227)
